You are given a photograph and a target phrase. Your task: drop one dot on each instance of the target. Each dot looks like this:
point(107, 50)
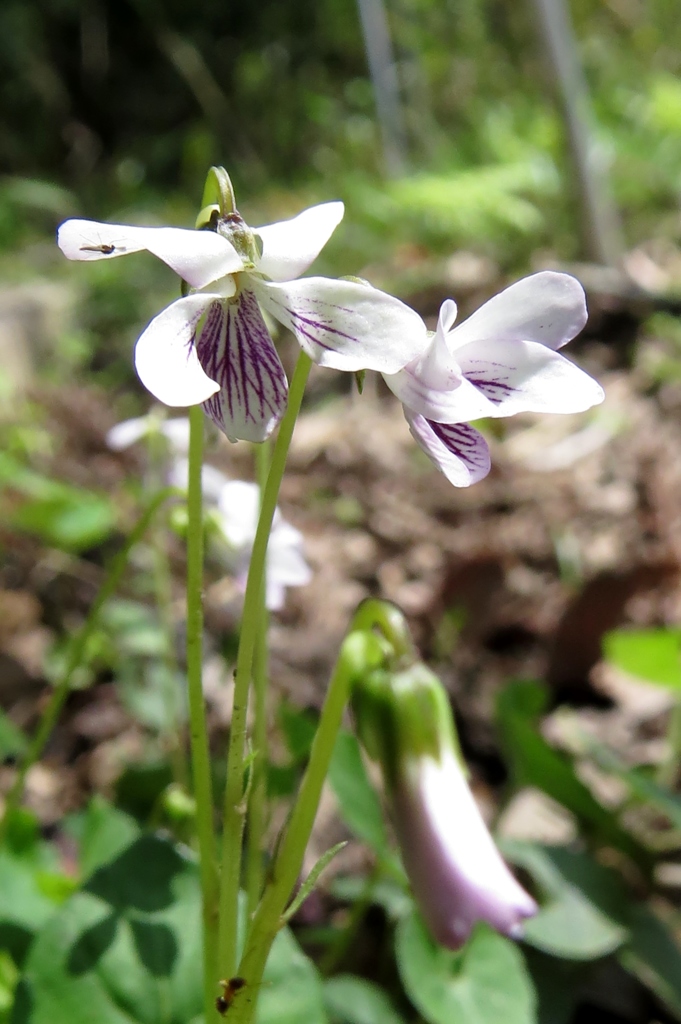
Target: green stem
point(200, 752)
point(668, 771)
point(63, 687)
point(234, 810)
point(257, 801)
point(360, 653)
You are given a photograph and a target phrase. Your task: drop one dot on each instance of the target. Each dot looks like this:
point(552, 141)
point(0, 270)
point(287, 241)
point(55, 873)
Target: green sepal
point(310, 882)
point(403, 716)
point(218, 192)
point(208, 216)
point(359, 379)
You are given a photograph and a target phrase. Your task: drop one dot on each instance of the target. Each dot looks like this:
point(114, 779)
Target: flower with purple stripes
point(212, 346)
point(501, 361)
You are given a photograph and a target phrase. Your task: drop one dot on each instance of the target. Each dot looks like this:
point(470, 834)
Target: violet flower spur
point(456, 872)
point(212, 346)
point(501, 361)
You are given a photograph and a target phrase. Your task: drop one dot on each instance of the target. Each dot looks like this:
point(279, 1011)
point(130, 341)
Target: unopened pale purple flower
point(212, 346)
point(458, 877)
point(501, 361)
point(455, 869)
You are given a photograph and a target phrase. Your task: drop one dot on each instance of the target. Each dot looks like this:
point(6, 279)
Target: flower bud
point(457, 875)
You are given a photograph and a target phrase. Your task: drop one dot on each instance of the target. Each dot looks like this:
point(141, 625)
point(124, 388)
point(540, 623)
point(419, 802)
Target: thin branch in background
point(383, 71)
point(599, 218)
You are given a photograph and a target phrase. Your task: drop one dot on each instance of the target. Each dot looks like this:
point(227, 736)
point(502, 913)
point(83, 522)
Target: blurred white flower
point(236, 505)
point(129, 432)
point(238, 508)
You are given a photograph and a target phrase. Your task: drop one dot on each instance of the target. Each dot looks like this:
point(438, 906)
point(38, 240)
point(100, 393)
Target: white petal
point(176, 431)
point(345, 325)
point(461, 402)
point(127, 433)
point(290, 246)
point(235, 349)
point(199, 257)
point(165, 355)
point(285, 557)
point(457, 449)
point(548, 308)
point(447, 316)
point(523, 376)
point(239, 506)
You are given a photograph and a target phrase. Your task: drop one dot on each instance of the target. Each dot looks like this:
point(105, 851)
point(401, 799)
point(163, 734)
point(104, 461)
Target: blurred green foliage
point(110, 106)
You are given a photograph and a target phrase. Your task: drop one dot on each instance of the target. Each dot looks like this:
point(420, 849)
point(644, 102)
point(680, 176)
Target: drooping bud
point(457, 875)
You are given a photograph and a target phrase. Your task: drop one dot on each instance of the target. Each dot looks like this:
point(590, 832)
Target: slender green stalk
point(258, 794)
point(203, 792)
point(256, 804)
point(63, 687)
point(668, 771)
point(361, 652)
point(234, 811)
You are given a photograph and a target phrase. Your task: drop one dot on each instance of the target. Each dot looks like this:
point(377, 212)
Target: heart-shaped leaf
point(485, 983)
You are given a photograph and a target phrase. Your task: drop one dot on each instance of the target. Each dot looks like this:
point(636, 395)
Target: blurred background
point(472, 142)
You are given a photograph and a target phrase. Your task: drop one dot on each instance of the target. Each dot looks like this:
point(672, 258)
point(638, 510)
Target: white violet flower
point(501, 361)
point(212, 346)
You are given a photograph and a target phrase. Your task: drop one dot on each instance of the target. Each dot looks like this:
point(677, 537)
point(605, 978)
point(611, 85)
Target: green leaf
point(582, 903)
point(311, 880)
point(640, 784)
point(484, 983)
point(653, 955)
point(386, 892)
point(558, 984)
point(650, 654)
point(126, 948)
point(534, 762)
point(292, 990)
point(9, 976)
point(105, 832)
point(352, 1000)
point(299, 727)
point(74, 519)
point(359, 805)
point(12, 740)
point(24, 905)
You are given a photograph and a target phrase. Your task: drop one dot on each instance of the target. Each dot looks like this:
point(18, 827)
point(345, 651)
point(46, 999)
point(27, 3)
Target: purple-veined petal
point(460, 403)
point(548, 308)
point(199, 257)
point(235, 349)
point(290, 246)
point(345, 325)
point(165, 355)
point(433, 384)
point(457, 449)
point(524, 376)
point(456, 871)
